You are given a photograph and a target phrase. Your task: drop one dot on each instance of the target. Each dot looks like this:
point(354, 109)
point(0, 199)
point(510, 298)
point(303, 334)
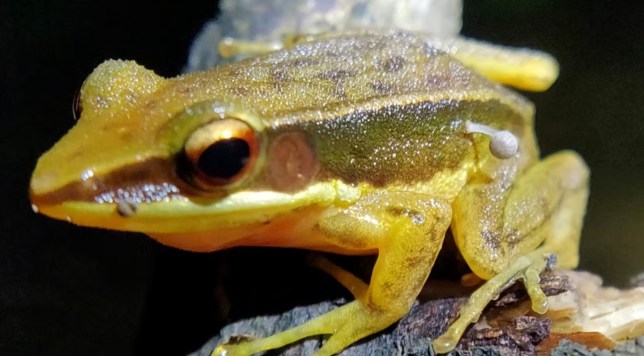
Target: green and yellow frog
point(351, 144)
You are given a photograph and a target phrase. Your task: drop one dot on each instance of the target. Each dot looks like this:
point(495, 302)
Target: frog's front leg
point(407, 231)
point(506, 231)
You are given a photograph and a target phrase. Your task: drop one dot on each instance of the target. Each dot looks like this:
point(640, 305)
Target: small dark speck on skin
point(396, 211)
point(413, 261)
point(491, 238)
point(151, 105)
point(437, 81)
point(185, 89)
point(381, 88)
point(337, 75)
point(302, 62)
point(339, 92)
point(514, 237)
point(279, 74)
point(240, 90)
point(393, 64)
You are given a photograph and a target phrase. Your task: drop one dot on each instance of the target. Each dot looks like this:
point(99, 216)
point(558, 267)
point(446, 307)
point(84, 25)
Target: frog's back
point(376, 107)
point(344, 72)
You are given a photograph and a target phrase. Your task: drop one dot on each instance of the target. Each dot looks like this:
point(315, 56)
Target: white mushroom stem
point(503, 144)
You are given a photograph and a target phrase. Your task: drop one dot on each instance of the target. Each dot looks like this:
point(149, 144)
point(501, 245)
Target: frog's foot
point(526, 268)
point(346, 324)
point(231, 47)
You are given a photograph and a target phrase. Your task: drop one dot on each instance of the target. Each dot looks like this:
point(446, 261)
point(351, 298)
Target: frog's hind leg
point(507, 231)
point(519, 67)
point(407, 230)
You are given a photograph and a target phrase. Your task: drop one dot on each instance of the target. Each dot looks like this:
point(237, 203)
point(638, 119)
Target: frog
point(361, 144)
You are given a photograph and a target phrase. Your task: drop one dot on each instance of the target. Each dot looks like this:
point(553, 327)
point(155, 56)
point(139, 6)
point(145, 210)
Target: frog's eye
point(221, 152)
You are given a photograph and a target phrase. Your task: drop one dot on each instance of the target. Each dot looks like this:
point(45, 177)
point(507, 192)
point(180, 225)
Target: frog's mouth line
point(185, 215)
point(145, 182)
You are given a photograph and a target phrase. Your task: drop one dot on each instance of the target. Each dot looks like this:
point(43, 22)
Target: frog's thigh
point(495, 224)
point(408, 231)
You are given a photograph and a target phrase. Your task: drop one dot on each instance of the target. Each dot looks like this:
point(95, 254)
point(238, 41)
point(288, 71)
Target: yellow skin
point(358, 144)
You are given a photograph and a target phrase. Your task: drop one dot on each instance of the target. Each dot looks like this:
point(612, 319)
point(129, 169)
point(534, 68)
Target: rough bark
point(506, 327)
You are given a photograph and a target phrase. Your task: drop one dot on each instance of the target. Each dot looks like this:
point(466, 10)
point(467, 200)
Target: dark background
point(66, 290)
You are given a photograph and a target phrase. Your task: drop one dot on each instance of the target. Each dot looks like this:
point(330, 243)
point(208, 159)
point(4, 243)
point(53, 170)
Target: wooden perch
point(583, 316)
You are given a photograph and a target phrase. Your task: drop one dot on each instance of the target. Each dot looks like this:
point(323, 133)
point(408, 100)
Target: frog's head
point(149, 155)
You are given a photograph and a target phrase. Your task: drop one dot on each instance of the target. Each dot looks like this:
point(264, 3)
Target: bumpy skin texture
point(363, 149)
point(351, 90)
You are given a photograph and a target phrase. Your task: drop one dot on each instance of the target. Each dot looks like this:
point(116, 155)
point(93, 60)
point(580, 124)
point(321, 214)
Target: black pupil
point(225, 158)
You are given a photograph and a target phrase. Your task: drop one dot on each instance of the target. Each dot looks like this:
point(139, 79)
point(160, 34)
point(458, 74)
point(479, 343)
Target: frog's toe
point(220, 350)
point(531, 281)
point(360, 321)
point(230, 350)
point(528, 268)
point(445, 343)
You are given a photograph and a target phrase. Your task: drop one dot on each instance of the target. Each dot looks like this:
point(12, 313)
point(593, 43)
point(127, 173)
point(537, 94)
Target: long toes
point(228, 350)
point(539, 299)
point(445, 343)
point(531, 280)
